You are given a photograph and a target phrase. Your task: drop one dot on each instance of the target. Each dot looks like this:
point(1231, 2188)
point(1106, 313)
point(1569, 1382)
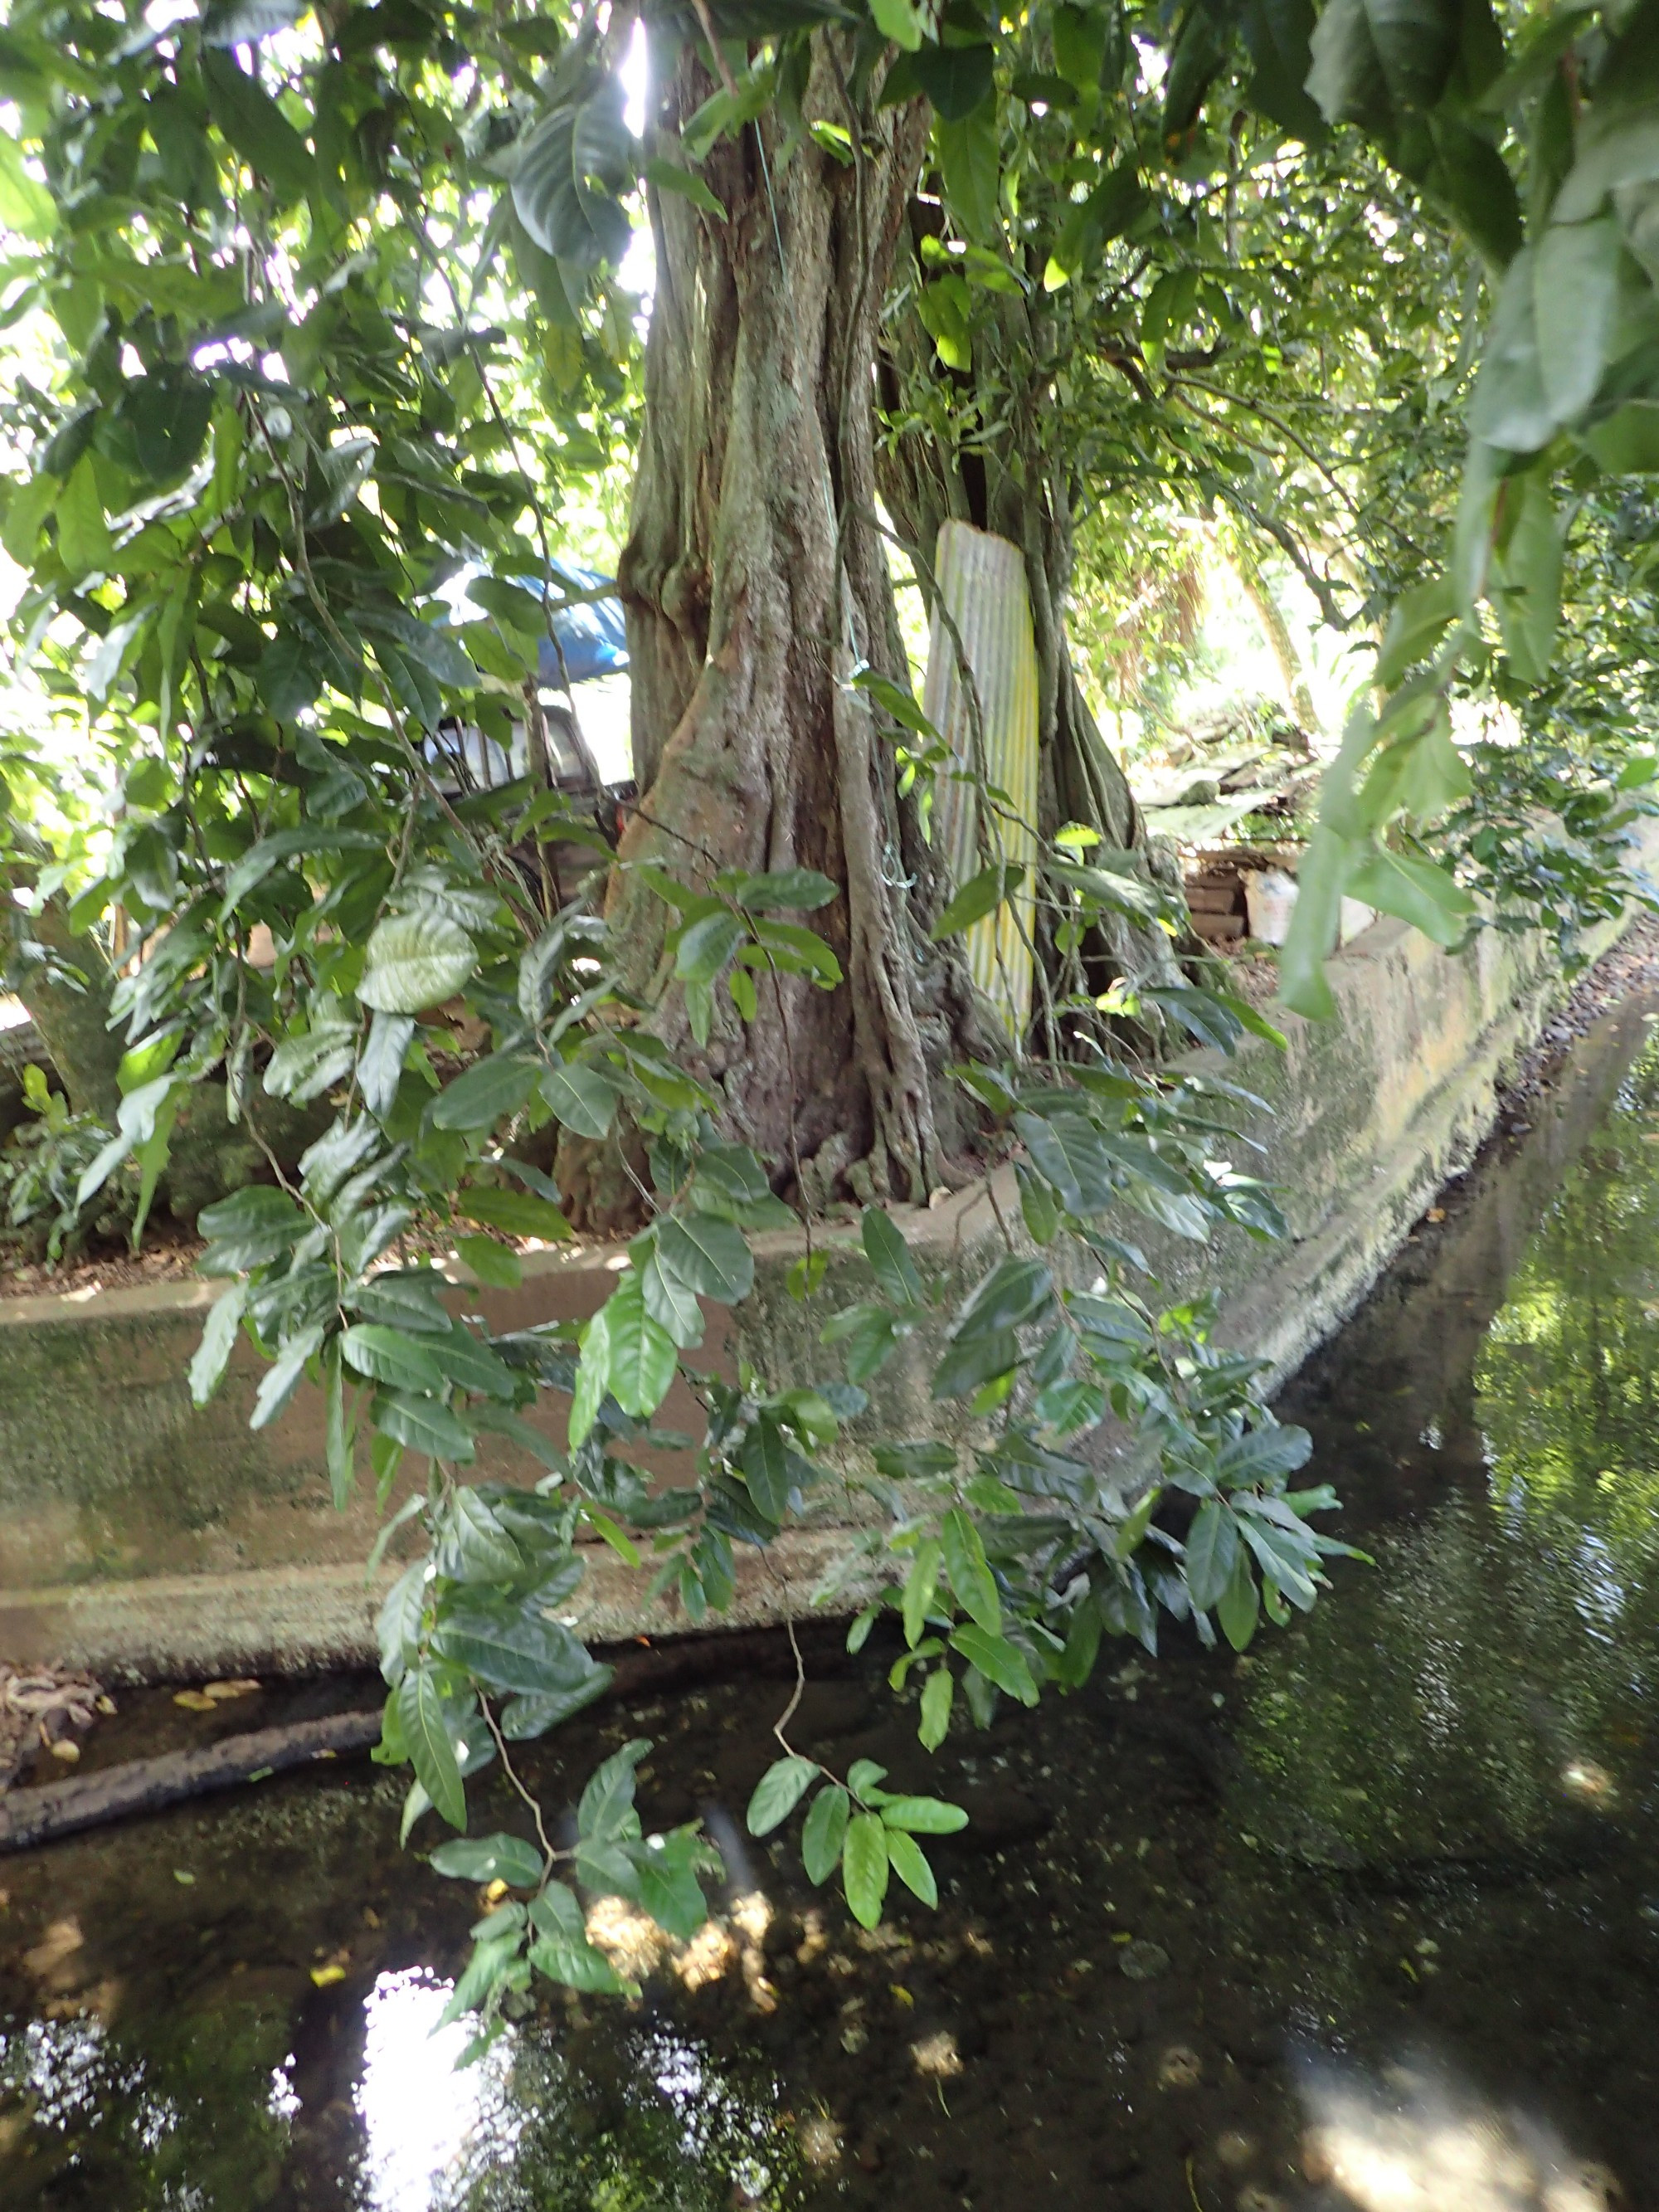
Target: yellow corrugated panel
point(982, 582)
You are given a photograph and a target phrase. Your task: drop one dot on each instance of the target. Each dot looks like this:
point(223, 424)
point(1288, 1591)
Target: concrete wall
point(138, 1536)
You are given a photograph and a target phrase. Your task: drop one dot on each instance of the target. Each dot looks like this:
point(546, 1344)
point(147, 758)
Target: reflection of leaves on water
point(639, 2120)
point(69, 2082)
point(1405, 1726)
point(1567, 1383)
point(1438, 1714)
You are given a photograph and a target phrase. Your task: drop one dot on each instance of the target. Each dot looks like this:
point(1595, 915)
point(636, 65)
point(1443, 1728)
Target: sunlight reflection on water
point(422, 2113)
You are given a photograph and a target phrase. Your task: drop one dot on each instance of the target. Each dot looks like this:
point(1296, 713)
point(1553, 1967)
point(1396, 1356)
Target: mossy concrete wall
point(141, 1537)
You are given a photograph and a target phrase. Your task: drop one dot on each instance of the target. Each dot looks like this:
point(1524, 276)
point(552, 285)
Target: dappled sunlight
point(1416, 2142)
point(637, 1947)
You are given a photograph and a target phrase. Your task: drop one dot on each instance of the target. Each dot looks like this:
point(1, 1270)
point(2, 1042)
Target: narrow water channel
point(1368, 1919)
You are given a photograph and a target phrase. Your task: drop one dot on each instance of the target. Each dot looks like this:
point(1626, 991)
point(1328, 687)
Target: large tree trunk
point(755, 582)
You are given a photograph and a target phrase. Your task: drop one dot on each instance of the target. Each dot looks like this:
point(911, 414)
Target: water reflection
point(425, 2117)
point(1472, 1700)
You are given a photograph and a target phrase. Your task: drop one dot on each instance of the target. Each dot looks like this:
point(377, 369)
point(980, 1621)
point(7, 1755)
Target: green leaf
point(1574, 297)
point(709, 1255)
point(422, 1717)
point(777, 1792)
point(493, 1263)
point(870, 1334)
point(607, 1810)
point(970, 160)
point(474, 1545)
point(416, 961)
point(338, 1434)
point(422, 1424)
point(571, 168)
point(515, 1212)
point(433, 649)
point(1212, 1550)
point(529, 1716)
point(26, 206)
point(486, 1093)
point(970, 1576)
point(512, 1647)
point(282, 1377)
point(258, 129)
point(906, 1858)
point(707, 946)
point(938, 1696)
point(580, 1097)
point(765, 1464)
point(980, 894)
point(1014, 1292)
point(977, 1360)
point(1527, 574)
point(212, 1354)
point(1239, 1605)
point(386, 1355)
point(802, 890)
point(244, 22)
point(920, 1586)
point(923, 1816)
point(1417, 891)
point(899, 21)
point(998, 1660)
point(640, 1362)
point(592, 1369)
point(169, 412)
point(1036, 1205)
point(83, 538)
point(890, 1257)
point(864, 1867)
point(669, 177)
point(958, 80)
point(489, 1858)
point(668, 1299)
point(1264, 1454)
point(1416, 622)
point(824, 1832)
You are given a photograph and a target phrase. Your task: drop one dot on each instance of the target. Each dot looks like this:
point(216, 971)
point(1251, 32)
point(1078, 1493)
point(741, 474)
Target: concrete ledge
point(140, 1537)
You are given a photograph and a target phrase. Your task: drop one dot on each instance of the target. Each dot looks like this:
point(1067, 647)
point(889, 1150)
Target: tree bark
point(755, 582)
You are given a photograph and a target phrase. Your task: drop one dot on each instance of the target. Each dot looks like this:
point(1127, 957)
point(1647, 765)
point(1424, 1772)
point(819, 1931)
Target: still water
point(1367, 1921)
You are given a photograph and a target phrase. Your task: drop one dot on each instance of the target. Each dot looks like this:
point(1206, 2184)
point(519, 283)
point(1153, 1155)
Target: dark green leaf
point(824, 1832)
point(489, 1858)
point(864, 1867)
point(256, 126)
point(998, 1660)
point(486, 1093)
point(777, 1792)
point(706, 1254)
point(513, 1647)
point(890, 1257)
point(423, 1720)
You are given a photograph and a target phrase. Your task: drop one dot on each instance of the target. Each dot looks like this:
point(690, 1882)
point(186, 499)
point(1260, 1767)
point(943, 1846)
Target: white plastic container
point(1269, 901)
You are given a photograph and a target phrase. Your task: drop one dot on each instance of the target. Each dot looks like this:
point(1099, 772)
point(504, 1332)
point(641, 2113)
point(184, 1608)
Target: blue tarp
point(593, 637)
